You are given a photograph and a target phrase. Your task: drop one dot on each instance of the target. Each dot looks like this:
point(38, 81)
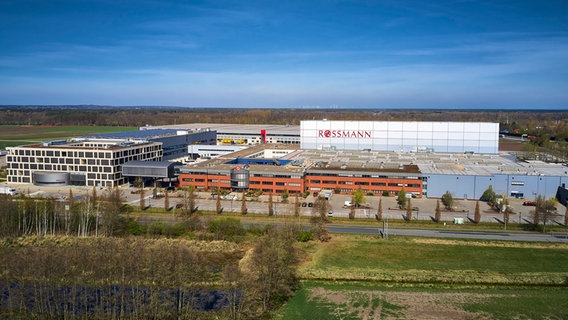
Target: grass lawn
point(362, 277)
point(426, 260)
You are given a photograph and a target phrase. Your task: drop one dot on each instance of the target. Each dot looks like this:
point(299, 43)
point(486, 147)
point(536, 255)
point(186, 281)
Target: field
point(361, 277)
point(18, 135)
point(364, 300)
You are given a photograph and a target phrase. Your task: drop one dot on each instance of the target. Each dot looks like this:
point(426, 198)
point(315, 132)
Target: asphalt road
point(457, 234)
point(412, 232)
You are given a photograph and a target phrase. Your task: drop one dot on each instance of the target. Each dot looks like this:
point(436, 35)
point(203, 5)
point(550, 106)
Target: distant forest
point(532, 122)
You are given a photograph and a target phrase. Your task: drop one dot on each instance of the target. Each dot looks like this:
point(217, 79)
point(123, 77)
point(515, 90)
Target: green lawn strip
point(353, 300)
point(38, 133)
point(430, 261)
point(527, 303)
point(13, 143)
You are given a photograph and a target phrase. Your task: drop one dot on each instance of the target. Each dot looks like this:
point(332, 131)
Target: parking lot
point(425, 208)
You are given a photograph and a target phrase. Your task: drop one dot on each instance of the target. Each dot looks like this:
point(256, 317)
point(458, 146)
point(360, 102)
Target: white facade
point(450, 137)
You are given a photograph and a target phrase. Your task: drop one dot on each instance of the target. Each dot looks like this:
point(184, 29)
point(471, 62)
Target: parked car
point(304, 204)
point(330, 213)
point(529, 203)
point(310, 204)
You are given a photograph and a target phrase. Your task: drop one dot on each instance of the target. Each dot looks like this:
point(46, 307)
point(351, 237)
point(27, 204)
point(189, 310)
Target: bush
point(305, 235)
point(386, 193)
point(226, 228)
point(134, 228)
point(258, 229)
point(159, 228)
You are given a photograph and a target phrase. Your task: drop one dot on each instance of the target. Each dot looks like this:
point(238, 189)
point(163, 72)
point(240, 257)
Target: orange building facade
point(340, 181)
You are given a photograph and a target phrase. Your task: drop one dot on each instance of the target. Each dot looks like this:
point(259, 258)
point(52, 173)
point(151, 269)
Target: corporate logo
point(344, 133)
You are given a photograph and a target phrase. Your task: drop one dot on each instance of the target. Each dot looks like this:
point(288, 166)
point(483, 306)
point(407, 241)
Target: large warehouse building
point(174, 142)
point(399, 136)
point(246, 134)
point(278, 167)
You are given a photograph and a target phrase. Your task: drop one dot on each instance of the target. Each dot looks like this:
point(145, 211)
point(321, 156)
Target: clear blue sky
point(395, 53)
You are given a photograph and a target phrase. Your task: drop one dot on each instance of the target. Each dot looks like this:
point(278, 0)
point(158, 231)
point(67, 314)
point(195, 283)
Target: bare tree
point(544, 211)
point(438, 213)
point(319, 220)
point(218, 203)
point(270, 205)
point(477, 214)
point(244, 209)
point(297, 206)
point(409, 210)
point(191, 200)
point(94, 196)
point(273, 278)
point(112, 206)
point(166, 200)
point(142, 195)
point(379, 215)
point(506, 209)
point(352, 207)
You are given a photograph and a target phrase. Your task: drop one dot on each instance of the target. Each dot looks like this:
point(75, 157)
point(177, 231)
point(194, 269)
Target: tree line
point(550, 123)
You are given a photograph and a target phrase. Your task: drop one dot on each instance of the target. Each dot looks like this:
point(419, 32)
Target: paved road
point(452, 233)
point(413, 232)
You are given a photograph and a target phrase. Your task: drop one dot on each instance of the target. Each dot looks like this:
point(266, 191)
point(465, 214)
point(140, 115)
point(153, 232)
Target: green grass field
point(18, 135)
point(362, 277)
point(424, 260)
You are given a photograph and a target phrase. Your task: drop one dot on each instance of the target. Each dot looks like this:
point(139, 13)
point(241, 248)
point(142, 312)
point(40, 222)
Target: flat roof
point(224, 128)
point(392, 162)
point(136, 134)
point(148, 164)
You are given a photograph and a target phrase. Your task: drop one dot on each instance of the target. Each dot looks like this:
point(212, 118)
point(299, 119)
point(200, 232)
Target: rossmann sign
point(344, 133)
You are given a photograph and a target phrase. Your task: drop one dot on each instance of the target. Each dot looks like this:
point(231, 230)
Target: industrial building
point(246, 134)
point(427, 159)
point(285, 167)
point(174, 142)
point(401, 136)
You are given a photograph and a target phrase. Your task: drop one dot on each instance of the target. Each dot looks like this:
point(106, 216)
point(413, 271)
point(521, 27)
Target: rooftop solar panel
point(138, 134)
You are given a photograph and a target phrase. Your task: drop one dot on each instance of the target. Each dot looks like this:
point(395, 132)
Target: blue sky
point(367, 54)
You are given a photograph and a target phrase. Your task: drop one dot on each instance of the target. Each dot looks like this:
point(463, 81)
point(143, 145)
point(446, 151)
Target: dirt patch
point(401, 305)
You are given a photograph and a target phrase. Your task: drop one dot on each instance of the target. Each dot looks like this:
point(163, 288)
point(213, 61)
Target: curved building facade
point(50, 178)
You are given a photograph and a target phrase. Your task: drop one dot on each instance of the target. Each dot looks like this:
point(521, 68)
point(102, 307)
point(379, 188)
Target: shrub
point(134, 228)
point(226, 228)
point(258, 229)
point(305, 235)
